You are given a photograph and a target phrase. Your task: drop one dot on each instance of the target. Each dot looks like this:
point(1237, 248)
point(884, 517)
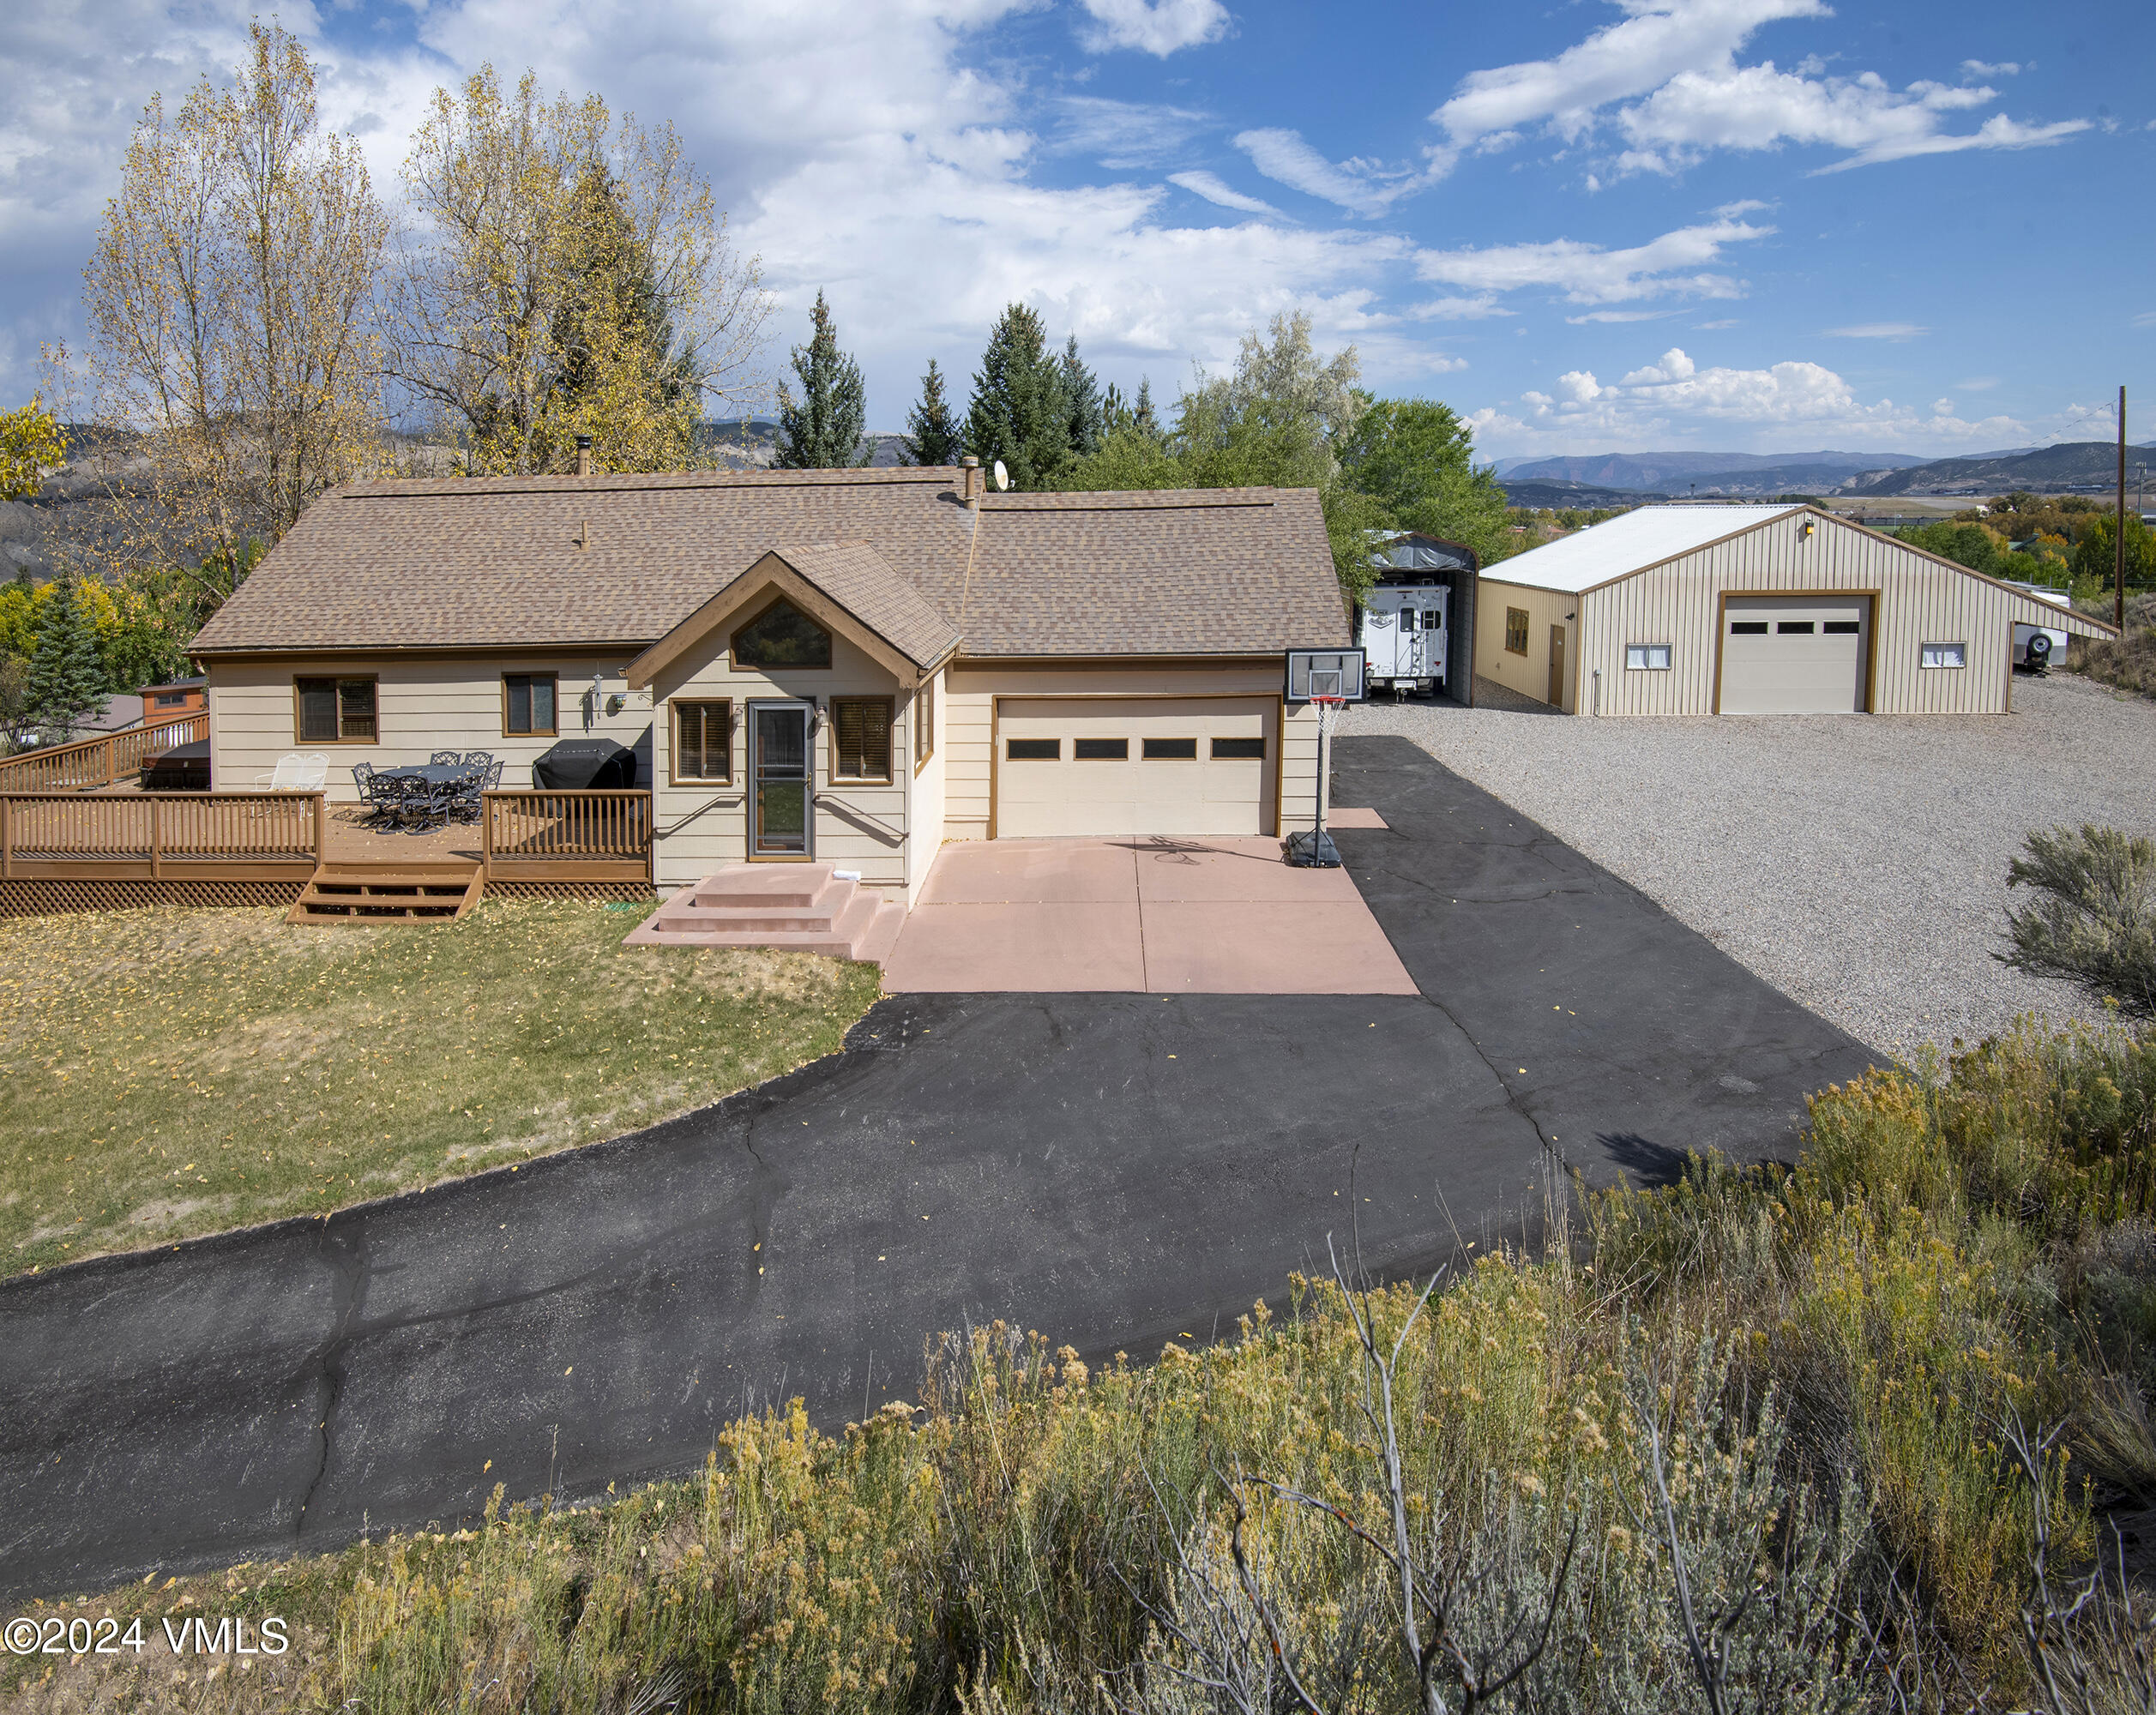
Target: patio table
point(434, 774)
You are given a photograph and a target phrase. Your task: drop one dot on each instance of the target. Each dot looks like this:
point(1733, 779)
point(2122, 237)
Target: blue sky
point(1744, 225)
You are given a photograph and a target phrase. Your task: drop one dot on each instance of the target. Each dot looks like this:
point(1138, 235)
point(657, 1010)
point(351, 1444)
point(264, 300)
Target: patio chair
point(478, 759)
point(445, 759)
point(295, 774)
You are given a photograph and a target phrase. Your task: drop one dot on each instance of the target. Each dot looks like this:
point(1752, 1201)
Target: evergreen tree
point(933, 435)
point(1142, 418)
point(822, 432)
point(1122, 415)
point(67, 676)
point(1081, 402)
point(1018, 412)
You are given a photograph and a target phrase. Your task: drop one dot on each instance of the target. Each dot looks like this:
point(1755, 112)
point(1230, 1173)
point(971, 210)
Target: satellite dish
point(1003, 476)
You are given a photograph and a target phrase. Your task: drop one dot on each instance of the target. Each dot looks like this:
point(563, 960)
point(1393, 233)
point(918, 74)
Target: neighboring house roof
point(1631, 542)
point(119, 713)
point(621, 561)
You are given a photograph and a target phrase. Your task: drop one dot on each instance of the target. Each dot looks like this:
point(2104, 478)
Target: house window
point(924, 722)
point(169, 698)
point(1653, 658)
point(1945, 655)
point(527, 704)
point(334, 711)
point(703, 741)
point(1238, 749)
point(1100, 749)
point(860, 739)
point(1516, 630)
point(782, 636)
point(1032, 749)
point(1172, 750)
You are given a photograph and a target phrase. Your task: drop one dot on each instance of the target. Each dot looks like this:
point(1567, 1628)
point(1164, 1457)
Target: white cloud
point(1594, 316)
point(1122, 135)
point(1153, 27)
point(1587, 273)
point(2147, 318)
point(1623, 60)
point(1211, 187)
point(1877, 330)
point(1977, 383)
point(1977, 68)
point(1716, 326)
point(1360, 186)
point(1670, 69)
point(1675, 396)
point(1478, 308)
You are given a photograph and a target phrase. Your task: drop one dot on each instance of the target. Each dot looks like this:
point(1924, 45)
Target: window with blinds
point(860, 739)
point(703, 741)
point(334, 711)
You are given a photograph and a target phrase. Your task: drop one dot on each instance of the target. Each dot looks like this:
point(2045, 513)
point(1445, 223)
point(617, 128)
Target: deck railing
point(160, 836)
point(565, 836)
point(104, 760)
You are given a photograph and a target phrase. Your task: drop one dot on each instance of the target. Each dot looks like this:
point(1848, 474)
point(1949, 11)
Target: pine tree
point(1122, 415)
point(67, 676)
point(1018, 413)
point(1082, 403)
point(823, 431)
point(933, 435)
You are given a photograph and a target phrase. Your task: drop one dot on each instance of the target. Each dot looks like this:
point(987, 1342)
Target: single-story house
point(849, 665)
point(1751, 610)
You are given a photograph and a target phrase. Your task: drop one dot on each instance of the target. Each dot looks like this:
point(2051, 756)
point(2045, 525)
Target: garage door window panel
point(1647, 658)
point(1100, 749)
point(1171, 750)
point(1238, 749)
point(1032, 750)
point(1945, 655)
point(861, 739)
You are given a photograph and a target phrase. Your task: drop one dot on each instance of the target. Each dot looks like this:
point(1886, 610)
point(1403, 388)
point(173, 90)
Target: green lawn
point(166, 1073)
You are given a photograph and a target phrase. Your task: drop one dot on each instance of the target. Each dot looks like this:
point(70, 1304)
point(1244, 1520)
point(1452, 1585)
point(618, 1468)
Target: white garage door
point(1134, 765)
point(1795, 654)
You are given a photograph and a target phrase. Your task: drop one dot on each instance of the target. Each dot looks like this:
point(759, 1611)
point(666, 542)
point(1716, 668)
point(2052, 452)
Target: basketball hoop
point(1315, 850)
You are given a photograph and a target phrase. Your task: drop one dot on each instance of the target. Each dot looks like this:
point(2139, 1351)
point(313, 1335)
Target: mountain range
point(1619, 479)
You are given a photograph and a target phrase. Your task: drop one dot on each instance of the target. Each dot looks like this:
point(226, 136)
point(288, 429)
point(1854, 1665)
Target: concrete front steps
point(798, 907)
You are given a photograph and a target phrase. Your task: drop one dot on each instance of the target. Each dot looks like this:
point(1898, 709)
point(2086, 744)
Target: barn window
point(1945, 655)
point(1653, 658)
point(1516, 630)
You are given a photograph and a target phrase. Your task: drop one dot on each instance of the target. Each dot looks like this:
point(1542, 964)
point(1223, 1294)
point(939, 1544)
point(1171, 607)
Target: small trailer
point(1415, 623)
point(1405, 637)
point(2036, 647)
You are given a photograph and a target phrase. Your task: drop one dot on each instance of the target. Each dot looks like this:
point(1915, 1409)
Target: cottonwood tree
point(821, 431)
point(1415, 459)
point(566, 273)
point(932, 434)
point(233, 361)
point(31, 443)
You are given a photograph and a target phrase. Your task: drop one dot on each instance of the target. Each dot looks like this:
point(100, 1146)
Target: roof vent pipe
point(971, 467)
point(583, 455)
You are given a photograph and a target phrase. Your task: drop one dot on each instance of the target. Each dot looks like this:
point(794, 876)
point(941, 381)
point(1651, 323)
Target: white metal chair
point(295, 774)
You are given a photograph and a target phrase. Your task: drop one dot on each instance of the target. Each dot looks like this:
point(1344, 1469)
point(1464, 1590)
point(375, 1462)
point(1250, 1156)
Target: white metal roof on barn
point(1644, 537)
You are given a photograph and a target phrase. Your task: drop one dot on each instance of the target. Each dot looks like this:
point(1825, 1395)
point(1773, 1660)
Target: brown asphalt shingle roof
point(860, 580)
point(496, 562)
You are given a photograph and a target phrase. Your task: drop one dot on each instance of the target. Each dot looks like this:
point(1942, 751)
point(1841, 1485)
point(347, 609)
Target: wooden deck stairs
point(390, 890)
point(796, 907)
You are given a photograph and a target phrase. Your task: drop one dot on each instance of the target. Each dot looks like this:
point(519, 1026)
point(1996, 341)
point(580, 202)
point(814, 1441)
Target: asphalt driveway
point(1114, 1169)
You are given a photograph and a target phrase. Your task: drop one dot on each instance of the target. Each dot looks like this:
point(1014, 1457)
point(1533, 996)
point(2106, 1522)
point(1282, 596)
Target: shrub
point(2094, 919)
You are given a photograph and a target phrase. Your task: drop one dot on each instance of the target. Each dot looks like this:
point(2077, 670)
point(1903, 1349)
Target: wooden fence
point(104, 760)
point(160, 836)
point(563, 836)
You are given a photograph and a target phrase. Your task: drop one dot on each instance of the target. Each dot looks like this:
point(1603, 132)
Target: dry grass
point(167, 1073)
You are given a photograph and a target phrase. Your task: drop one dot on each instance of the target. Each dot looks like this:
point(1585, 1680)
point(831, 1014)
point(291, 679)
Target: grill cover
point(586, 765)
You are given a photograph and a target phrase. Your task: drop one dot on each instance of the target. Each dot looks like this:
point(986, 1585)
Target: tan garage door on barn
point(1796, 655)
point(1106, 765)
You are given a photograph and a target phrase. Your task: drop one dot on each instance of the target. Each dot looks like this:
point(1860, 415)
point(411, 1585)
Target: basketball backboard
point(1324, 672)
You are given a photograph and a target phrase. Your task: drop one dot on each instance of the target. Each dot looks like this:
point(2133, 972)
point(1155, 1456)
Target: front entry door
point(1557, 666)
point(781, 787)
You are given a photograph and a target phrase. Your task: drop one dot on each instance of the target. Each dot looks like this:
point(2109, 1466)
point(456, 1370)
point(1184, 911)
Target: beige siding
point(970, 715)
point(705, 825)
point(1920, 601)
point(1529, 676)
point(924, 815)
point(421, 706)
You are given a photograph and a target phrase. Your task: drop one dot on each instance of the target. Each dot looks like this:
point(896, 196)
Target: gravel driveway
point(1859, 863)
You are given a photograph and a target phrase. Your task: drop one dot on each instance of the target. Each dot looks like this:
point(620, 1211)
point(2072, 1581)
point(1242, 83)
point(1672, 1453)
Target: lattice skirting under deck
point(49, 897)
point(570, 890)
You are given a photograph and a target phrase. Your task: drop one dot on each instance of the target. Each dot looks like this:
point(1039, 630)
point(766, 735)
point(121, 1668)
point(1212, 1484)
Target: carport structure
point(1753, 609)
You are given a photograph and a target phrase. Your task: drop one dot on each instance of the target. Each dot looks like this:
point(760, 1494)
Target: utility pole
point(2118, 603)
